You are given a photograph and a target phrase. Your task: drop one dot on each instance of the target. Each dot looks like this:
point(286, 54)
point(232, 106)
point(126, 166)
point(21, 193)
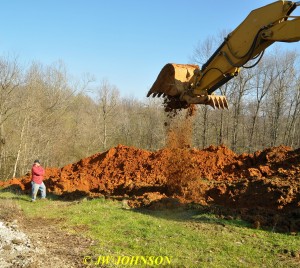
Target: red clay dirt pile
point(263, 187)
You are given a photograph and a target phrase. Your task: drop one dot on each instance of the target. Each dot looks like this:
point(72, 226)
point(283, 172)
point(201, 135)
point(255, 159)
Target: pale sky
point(125, 42)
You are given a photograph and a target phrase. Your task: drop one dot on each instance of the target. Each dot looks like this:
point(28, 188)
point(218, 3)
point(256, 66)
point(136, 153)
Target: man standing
point(37, 173)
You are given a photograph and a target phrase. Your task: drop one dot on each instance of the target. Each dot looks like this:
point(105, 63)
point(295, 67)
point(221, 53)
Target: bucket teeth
point(221, 104)
point(218, 102)
point(155, 94)
point(225, 103)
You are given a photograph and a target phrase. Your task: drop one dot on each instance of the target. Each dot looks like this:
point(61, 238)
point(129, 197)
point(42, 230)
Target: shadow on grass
point(166, 208)
point(194, 213)
point(251, 217)
point(171, 209)
point(20, 194)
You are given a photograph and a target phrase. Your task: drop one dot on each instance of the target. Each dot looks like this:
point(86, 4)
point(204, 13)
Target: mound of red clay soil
point(263, 187)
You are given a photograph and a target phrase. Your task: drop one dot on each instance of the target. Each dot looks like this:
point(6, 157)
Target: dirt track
point(38, 242)
point(263, 187)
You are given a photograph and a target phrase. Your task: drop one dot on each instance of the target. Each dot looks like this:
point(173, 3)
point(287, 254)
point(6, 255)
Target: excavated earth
point(262, 188)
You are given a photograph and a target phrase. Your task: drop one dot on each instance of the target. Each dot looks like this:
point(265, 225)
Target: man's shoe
point(33, 200)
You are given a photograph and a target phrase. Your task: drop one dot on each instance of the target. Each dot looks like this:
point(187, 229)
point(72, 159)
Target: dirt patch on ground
point(57, 248)
point(38, 242)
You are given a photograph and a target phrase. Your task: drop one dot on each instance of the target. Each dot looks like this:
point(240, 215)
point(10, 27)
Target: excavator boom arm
point(184, 84)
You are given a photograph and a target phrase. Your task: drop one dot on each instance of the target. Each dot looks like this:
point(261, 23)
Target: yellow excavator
point(184, 84)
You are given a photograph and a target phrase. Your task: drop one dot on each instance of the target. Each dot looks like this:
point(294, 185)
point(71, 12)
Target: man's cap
point(36, 161)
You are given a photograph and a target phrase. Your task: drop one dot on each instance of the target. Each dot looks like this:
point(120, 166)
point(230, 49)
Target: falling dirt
point(263, 188)
point(173, 105)
point(179, 141)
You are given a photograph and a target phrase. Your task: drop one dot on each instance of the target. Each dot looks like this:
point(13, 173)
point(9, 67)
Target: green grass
point(190, 238)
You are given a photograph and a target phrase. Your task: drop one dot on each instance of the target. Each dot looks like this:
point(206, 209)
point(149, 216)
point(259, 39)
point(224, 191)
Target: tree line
point(46, 115)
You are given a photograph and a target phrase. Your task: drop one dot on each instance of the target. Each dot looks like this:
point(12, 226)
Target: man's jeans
point(36, 187)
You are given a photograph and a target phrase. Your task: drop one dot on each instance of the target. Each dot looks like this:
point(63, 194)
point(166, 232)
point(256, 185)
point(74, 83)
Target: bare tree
point(241, 86)
point(277, 96)
point(294, 112)
point(200, 56)
point(263, 79)
point(10, 80)
point(108, 97)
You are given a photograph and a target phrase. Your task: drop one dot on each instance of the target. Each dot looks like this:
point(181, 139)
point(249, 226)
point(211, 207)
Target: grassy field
point(174, 238)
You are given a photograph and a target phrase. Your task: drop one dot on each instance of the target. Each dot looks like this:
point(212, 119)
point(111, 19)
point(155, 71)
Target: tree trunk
point(19, 150)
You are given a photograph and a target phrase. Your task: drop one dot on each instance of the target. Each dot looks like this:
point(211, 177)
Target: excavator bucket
point(172, 80)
